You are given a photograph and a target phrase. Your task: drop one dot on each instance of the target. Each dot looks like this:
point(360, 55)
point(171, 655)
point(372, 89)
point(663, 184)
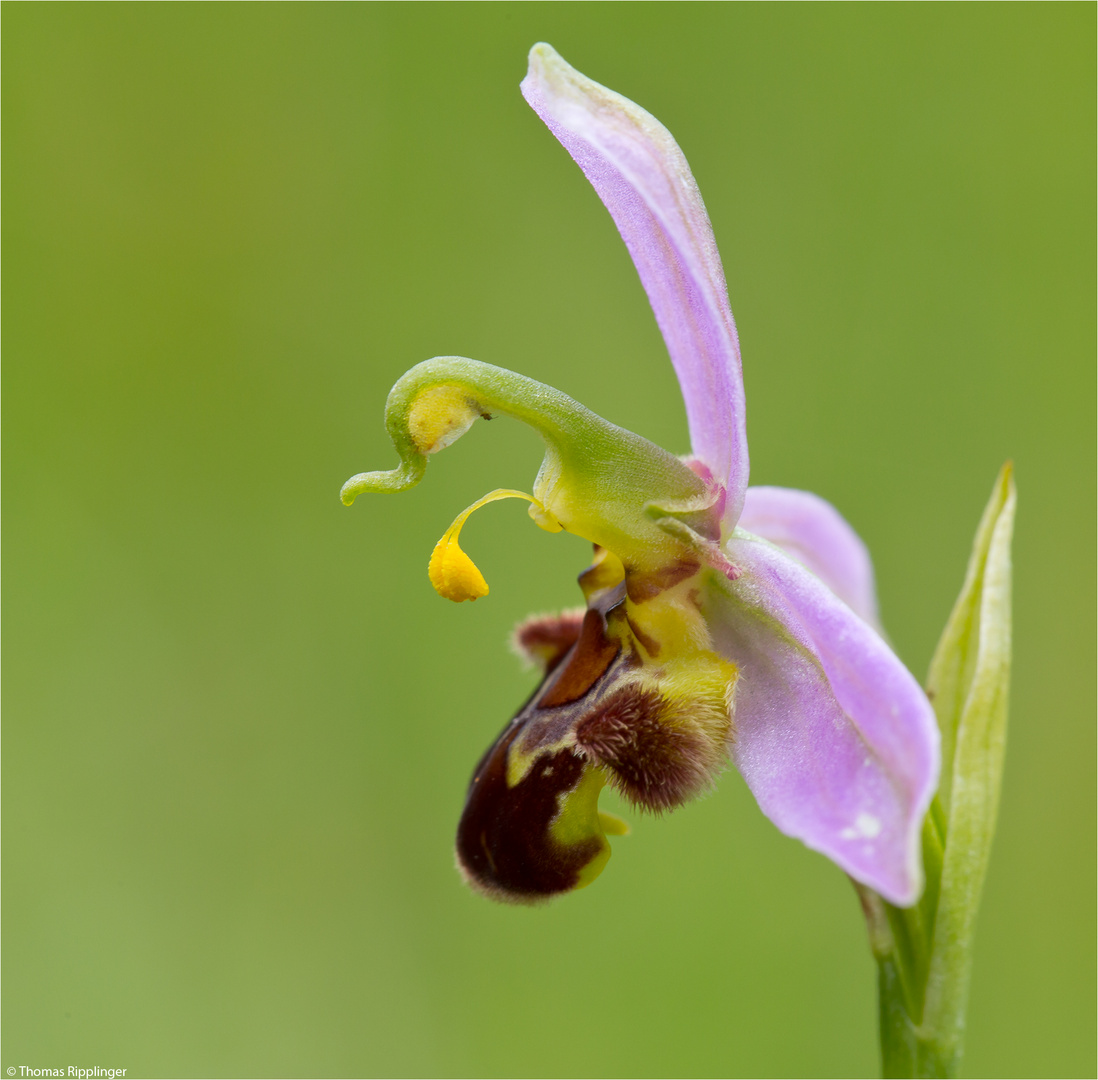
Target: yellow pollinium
point(453, 574)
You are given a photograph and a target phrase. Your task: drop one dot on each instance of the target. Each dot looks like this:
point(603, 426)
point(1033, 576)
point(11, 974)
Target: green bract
point(925, 953)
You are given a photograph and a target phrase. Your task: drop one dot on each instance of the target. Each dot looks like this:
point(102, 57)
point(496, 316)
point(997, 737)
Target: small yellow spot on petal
point(453, 574)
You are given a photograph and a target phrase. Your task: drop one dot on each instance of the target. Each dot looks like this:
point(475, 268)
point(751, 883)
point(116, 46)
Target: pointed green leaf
point(969, 680)
point(952, 670)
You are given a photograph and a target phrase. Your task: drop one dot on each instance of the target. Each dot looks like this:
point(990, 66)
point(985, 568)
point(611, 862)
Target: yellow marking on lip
point(613, 825)
point(579, 821)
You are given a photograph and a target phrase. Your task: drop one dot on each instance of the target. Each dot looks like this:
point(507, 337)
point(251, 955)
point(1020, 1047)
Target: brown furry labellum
point(530, 828)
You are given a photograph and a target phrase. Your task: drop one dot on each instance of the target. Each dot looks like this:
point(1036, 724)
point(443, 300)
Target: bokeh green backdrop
point(239, 723)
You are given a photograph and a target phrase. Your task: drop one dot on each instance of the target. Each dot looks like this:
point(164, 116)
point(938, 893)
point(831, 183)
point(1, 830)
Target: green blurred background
point(240, 723)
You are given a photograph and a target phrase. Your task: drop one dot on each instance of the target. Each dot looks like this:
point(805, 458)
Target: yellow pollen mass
point(453, 574)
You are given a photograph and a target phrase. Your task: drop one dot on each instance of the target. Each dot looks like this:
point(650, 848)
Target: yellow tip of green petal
point(439, 416)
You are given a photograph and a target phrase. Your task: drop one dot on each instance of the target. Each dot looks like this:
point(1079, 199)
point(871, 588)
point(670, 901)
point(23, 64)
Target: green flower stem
point(902, 940)
point(924, 953)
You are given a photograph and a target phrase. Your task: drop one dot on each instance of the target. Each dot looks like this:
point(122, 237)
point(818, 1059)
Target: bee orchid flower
point(721, 622)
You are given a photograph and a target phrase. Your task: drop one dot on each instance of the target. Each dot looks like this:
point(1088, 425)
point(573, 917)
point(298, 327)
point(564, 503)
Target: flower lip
point(658, 732)
point(531, 828)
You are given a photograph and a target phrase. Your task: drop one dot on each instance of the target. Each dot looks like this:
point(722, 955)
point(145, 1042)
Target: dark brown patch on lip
point(644, 585)
point(588, 661)
point(504, 844)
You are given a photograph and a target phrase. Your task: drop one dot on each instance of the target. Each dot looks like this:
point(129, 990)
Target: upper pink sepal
point(641, 175)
